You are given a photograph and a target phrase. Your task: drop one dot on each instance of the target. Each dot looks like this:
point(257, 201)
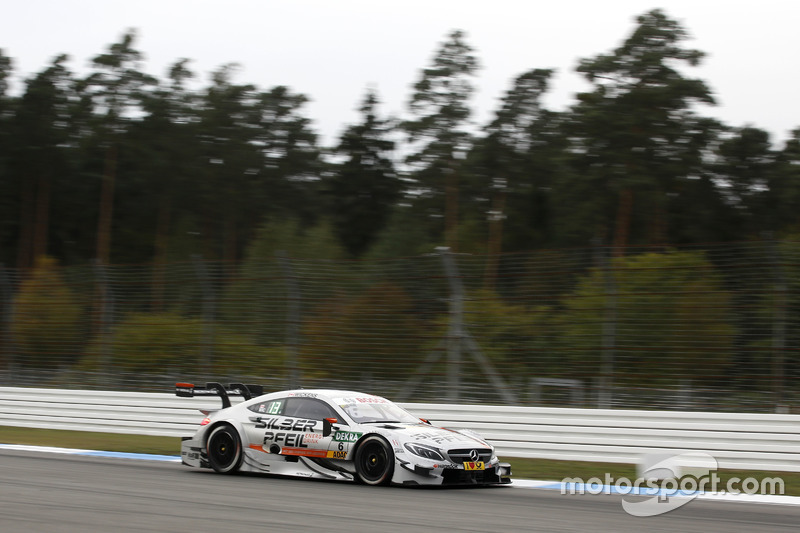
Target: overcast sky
point(332, 50)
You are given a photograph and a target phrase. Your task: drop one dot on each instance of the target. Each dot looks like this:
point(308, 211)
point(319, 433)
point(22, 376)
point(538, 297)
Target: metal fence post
point(458, 337)
point(6, 333)
point(209, 305)
point(605, 396)
point(292, 318)
point(455, 331)
point(105, 317)
point(778, 328)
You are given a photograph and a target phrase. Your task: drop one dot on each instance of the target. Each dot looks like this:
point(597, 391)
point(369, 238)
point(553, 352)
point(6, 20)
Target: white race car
point(334, 434)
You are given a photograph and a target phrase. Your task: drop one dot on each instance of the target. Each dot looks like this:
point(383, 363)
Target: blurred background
point(700, 328)
point(629, 251)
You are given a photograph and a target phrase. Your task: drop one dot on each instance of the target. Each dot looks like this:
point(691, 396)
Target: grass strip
point(110, 442)
point(547, 469)
point(544, 469)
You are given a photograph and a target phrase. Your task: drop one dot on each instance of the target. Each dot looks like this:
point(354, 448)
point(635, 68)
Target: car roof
point(326, 393)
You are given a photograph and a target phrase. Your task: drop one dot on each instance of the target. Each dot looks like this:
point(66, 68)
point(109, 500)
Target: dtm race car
point(336, 435)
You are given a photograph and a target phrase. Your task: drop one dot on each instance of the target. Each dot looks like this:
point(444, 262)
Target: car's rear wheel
point(224, 449)
point(374, 461)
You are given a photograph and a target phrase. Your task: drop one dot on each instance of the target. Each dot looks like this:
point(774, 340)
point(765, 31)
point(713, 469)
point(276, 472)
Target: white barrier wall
point(743, 441)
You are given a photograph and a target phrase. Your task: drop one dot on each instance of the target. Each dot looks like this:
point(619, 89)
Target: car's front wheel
point(224, 449)
point(374, 461)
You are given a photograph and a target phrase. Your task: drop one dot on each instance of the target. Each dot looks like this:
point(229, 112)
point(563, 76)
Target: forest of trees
point(149, 227)
point(122, 167)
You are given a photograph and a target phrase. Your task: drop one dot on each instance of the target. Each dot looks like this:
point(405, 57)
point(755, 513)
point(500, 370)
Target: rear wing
point(188, 390)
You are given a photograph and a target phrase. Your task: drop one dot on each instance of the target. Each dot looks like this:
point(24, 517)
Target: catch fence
point(712, 327)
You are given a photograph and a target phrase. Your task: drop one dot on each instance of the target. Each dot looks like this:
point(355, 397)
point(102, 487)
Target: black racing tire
point(374, 461)
point(224, 449)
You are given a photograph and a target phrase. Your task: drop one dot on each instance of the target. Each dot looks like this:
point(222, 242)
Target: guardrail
point(741, 441)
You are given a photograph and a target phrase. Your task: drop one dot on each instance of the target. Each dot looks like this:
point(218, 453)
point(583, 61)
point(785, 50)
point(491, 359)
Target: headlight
point(423, 450)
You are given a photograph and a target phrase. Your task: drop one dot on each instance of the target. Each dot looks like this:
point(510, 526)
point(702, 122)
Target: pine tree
point(365, 187)
point(439, 134)
point(637, 135)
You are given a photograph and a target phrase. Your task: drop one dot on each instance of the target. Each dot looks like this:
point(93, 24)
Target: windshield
point(364, 410)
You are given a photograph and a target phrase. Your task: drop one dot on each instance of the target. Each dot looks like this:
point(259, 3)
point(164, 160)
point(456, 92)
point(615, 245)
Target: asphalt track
point(45, 492)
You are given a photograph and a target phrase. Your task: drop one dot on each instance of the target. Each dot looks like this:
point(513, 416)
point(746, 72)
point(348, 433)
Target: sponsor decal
point(290, 424)
point(343, 402)
point(286, 439)
point(303, 394)
point(346, 436)
point(371, 400)
point(313, 438)
point(302, 452)
point(438, 438)
point(337, 454)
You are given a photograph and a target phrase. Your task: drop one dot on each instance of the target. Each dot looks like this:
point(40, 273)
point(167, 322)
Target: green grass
point(113, 442)
point(543, 469)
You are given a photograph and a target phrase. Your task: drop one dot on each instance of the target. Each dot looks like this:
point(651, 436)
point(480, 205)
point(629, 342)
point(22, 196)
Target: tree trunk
point(495, 245)
point(623, 222)
point(229, 246)
point(160, 253)
point(658, 224)
point(25, 244)
point(451, 210)
point(106, 206)
point(42, 218)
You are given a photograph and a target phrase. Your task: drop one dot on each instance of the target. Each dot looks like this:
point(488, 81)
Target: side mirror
point(327, 426)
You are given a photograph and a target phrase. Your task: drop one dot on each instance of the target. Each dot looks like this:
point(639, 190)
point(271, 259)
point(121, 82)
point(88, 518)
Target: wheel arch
point(223, 422)
point(364, 437)
point(217, 453)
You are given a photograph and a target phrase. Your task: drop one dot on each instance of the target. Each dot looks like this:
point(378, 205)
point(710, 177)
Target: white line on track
point(517, 483)
point(574, 488)
point(92, 453)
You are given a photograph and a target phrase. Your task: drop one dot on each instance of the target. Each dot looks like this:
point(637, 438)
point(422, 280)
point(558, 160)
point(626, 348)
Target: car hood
point(432, 435)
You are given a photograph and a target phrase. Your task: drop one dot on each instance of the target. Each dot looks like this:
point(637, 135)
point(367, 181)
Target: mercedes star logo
point(474, 455)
